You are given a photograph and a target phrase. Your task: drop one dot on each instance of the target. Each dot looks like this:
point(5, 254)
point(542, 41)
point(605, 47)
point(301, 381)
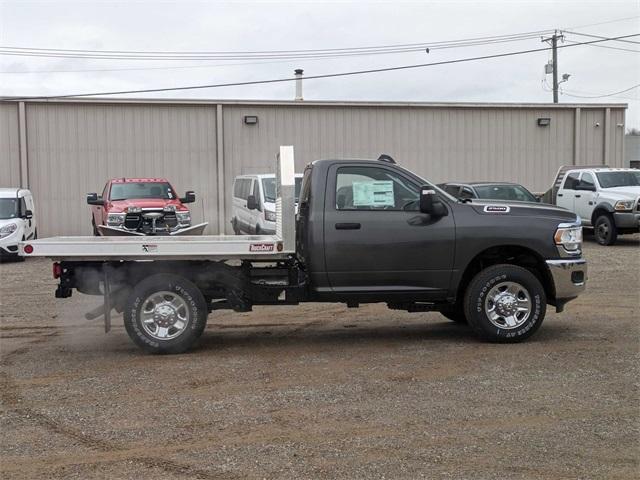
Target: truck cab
point(605, 199)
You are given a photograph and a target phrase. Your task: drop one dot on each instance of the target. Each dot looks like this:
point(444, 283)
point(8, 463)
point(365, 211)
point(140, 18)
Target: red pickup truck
point(141, 206)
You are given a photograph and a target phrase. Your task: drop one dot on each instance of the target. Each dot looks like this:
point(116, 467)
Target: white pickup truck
point(605, 199)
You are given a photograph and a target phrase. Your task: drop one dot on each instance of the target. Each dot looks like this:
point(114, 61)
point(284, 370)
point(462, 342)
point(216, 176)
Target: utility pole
point(554, 50)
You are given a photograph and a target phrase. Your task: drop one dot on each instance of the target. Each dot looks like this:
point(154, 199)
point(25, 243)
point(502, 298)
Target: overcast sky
point(258, 26)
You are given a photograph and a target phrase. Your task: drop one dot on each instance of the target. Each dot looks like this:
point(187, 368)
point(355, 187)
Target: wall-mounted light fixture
point(544, 122)
point(250, 119)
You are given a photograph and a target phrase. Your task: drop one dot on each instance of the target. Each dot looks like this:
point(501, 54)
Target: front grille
point(137, 222)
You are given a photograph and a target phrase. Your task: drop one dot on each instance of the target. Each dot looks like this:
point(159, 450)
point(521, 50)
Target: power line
point(234, 64)
point(84, 53)
point(313, 77)
point(605, 95)
point(598, 36)
point(608, 47)
point(607, 22)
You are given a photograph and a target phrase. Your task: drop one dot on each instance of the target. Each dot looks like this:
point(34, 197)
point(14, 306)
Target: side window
point(587, 179)
point(305, 189)
point(571, 181)
point(452, 190)
point(237, 187)
point(466, 192)
point(105, 191)
point(23, 206)
point(247, 189)
point(373, 188)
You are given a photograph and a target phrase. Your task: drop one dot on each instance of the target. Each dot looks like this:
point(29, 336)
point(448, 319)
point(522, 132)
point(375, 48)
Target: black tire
point(96, 233)
point(35, 234)
point(492, 279)
point(234, 224)
point(455, 313)
point(605, 230)
point(258, 231)
point(180, 287)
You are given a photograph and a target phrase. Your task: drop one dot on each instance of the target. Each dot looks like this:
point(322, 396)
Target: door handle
point(560, 194)
point(578, 196)
point(348, 226)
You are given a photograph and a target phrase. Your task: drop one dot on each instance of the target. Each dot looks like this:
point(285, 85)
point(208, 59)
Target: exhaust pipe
point(298, 72)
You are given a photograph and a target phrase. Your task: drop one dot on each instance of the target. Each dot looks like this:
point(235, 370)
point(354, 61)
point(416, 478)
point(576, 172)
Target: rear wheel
point(96, 233)
point(605, 230)
point(505, 303)
point(165, 313)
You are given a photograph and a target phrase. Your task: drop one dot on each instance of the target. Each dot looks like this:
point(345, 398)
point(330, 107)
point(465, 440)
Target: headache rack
point(205, 247)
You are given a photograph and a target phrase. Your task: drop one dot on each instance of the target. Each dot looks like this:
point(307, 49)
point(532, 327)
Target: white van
point(253, 210)
point(17, 221)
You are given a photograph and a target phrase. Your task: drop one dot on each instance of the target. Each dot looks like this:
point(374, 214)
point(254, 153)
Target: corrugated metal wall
point(72, 148)
point(9, 146)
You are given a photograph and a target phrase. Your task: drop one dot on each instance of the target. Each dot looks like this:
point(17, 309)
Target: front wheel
point(165, 313)
point(505, 303)
point(605, 230)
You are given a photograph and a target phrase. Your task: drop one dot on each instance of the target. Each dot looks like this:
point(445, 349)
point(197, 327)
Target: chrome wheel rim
point(164, 315)
point(508, 305)
point(603, 230)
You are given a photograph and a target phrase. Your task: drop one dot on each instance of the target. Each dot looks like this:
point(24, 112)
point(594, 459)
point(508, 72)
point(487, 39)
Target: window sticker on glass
point(373, 194)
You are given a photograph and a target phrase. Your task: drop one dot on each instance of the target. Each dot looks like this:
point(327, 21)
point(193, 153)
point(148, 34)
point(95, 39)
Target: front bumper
point(627, 220)
point(9, 250)
point(569, 277)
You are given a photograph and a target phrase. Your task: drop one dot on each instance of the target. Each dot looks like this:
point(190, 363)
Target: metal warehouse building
point(65, 148)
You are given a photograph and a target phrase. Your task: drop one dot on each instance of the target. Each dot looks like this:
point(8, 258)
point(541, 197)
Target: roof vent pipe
point(298, 72)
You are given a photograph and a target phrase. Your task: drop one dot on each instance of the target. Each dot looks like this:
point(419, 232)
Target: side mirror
point(28, 214)
point(94, 199)
point(189, 197)
point(430, 204)
point(251, 202)
point(586, 186)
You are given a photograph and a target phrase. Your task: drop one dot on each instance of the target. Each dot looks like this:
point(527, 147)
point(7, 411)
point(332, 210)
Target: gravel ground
point(322, 391)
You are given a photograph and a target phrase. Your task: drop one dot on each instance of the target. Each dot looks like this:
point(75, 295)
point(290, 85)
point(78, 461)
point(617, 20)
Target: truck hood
point(520, 209)
point(118, 206)
point(624, 193)
point(6, 221)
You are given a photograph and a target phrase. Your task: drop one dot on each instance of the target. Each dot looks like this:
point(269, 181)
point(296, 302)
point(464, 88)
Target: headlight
point(184, 218)
point(622, 205)
point(569, 237)
point(169, 208)
point(134, 209)
point(115, 219)
point(269, 216)
point(8, 229)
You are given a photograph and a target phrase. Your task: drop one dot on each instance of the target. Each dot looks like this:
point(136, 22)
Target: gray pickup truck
point(366, 231)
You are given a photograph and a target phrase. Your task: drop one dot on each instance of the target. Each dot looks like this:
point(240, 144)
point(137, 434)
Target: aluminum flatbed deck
point(206, 247)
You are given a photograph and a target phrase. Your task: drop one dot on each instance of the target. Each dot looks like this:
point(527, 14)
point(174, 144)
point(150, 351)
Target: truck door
point(566, 193)
point(585, 199)
point(375, 237)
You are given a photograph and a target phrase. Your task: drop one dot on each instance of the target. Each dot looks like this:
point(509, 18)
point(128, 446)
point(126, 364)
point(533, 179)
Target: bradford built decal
point(497, 209)
point(261, 247)
point(149, 248)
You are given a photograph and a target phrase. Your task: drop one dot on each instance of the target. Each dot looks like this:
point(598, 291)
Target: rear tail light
point(28, 249)
point(57, 270)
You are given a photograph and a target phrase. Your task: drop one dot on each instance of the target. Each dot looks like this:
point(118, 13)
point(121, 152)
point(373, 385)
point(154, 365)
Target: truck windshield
point(504, 192)
point(618, 179)
point(269, 189)
point(123, 191)
point(8, 208)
